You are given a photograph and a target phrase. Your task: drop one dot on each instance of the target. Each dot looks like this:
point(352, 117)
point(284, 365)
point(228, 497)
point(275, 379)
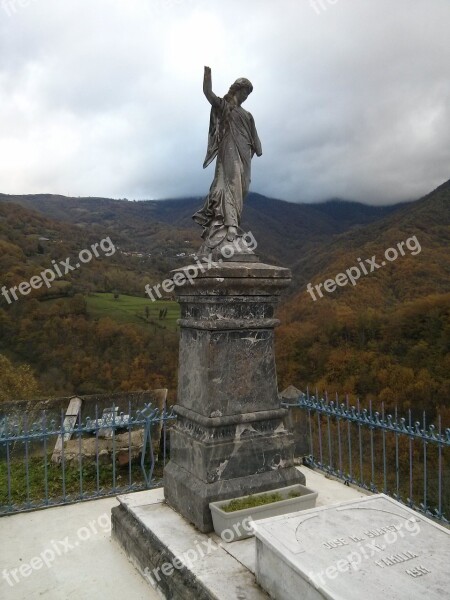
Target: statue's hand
point(207, 87)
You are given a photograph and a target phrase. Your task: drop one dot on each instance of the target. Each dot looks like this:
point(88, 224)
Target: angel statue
point(233, 140)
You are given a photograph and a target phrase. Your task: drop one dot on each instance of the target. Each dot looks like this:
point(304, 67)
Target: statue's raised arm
point(207, 87)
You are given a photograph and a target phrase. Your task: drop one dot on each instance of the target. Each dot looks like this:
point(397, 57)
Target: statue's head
point(241, 89)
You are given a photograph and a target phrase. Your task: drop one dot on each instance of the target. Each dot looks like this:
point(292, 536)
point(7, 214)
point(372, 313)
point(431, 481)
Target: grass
point(36, 492)
point(132, 309)
point(253, 501)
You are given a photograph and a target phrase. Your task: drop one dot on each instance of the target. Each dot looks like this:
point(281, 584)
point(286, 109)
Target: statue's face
point(242, 94)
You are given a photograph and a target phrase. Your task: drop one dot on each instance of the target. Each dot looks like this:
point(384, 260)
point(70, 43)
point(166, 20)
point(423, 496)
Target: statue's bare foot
point(232, 232)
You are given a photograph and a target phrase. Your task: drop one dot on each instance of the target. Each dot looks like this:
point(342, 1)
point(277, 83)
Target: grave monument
point(229, 438)
point(373, 548)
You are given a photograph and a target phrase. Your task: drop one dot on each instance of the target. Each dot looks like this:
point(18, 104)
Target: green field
point(132, 309)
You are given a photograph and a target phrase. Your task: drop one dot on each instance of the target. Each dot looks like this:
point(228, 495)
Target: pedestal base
point(229, 439)
point(191, 496)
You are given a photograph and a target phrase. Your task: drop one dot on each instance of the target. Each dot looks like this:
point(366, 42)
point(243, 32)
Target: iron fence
point(401, 457)
point(48, 463)
point(45, 463)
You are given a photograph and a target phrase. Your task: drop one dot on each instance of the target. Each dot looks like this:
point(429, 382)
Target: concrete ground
point(66, 552)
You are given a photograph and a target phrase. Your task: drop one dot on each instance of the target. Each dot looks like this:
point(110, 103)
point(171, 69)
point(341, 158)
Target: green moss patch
point(253, 501)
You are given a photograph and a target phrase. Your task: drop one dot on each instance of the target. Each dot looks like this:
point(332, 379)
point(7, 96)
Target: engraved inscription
point(395, 559)
point(361, 537)
point(418, 571)
point(345, 551)
point(335, 543)
point(356, 538)
point(371, 533)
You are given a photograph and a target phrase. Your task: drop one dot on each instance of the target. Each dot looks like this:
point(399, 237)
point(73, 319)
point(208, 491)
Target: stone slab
point(144, 498)
point(158, 541)
point(373, 547)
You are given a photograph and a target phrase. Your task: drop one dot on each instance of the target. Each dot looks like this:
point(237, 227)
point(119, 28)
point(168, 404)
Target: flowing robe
point(233, 139)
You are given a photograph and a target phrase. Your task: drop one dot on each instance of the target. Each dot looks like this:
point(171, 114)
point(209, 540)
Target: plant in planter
point(231, 518)
point(253, 501)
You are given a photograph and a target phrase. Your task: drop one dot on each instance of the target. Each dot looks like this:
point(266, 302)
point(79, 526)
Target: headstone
point(373, 548)
point(70, 421)
point(109, 418)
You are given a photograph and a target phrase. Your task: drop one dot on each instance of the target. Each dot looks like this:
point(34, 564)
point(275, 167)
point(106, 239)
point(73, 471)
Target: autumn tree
point(16, 382)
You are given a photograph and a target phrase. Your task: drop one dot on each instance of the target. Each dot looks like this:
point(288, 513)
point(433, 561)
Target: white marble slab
point(373, 547)
point(207, 564)
point(153, 496)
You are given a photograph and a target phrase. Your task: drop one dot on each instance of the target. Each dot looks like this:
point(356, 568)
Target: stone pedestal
point(229, 439)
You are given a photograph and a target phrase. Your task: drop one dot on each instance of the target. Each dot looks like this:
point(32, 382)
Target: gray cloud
point(104, 97)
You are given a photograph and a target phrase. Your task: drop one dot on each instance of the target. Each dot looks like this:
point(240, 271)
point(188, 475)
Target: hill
point(387, 337)
point(165, 227)
point(74, 342)
point(30, 241)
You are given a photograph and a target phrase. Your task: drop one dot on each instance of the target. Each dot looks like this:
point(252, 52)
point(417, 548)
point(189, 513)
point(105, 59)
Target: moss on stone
point(258, 500)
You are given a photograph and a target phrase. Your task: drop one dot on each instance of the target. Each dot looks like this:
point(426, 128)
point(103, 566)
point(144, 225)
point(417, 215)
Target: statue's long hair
point(242, 82)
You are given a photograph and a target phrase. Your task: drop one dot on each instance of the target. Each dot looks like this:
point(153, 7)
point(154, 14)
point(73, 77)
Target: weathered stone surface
point(212, 454)
point(227, 372)
point(230, 439)
point(124, 447)
point(373, 547)
point(238, 282)
point(191, 496)
point(175, 558)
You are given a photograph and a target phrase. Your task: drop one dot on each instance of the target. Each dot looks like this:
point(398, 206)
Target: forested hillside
point(165, 228)
point(387, 337)
point(29, 242)
point(50, 329)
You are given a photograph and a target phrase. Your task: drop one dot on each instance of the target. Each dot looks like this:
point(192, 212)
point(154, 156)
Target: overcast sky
point(104, 97)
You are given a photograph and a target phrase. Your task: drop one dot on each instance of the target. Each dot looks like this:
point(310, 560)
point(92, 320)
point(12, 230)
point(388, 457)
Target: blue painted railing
point(126, 453)
point(404, 458)
point(401, 457)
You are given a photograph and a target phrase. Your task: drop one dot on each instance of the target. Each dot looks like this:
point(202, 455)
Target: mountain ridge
point(387, 338)
point(148, 223)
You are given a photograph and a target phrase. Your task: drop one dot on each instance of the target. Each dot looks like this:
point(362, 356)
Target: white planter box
point(236, 525)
